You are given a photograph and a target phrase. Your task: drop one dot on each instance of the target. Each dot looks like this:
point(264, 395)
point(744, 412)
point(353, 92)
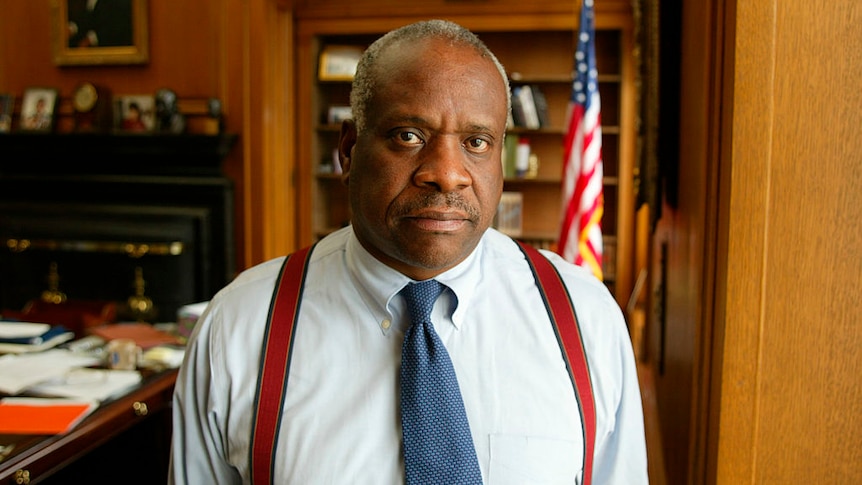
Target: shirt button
point(386, 324)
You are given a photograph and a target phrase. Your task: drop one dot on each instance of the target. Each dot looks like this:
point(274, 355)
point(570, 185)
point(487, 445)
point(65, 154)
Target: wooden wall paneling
point(181, 58)
point(737, 353)
point(452, 8)
point(625, 257)
point(679, 265)
point(790, 386)
point(269, 192)
point(195, 49)
point(755, 331)
point(306, 72)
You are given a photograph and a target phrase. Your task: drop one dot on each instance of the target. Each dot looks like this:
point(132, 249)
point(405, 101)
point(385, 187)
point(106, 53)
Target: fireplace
point(103, 217)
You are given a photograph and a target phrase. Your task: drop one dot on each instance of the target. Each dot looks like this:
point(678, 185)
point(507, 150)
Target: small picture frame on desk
point(135, 113)
point(7, 107)
point(37, 109)
point(92, 33)
point(338, 62)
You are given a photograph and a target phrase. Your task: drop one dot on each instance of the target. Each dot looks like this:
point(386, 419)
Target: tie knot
point(421, 297)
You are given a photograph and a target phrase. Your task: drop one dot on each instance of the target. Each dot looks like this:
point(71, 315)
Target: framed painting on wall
point(88, 32)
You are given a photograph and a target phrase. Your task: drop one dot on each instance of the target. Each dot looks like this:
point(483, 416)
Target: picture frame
point(338, 62)
point(37, 109)
point(338, 113)
point(7, 108)
point(135, 113)
point(102, 32)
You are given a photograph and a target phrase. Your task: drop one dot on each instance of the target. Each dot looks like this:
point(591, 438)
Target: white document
point(20, 371)
point(22, 329)
point(89, 384)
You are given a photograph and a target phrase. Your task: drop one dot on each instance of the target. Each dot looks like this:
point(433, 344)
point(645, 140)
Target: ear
point(346, 142)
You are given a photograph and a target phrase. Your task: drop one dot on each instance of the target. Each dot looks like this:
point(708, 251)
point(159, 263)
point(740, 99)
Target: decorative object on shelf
point(7, 105)
point(140, 305)
point(37, 109)
point(168, 116)
point(91, 104)
point(106, 32)
point(216, 116)
point(53, 293)
point(135, 113)
point(338, 62)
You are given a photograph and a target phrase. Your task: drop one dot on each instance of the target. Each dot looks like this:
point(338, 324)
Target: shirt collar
point(378, 284)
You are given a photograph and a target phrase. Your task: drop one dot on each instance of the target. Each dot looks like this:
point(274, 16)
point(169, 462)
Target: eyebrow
point(421, 121)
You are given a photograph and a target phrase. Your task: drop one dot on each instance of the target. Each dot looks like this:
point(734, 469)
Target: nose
point(443, 166)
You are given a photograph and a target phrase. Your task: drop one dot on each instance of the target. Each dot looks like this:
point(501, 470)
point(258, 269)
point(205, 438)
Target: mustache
point(438, 200)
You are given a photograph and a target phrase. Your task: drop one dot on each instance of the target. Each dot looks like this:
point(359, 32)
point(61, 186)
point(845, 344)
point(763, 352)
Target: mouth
point(439, 220)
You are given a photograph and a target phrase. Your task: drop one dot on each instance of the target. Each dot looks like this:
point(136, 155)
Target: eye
point(406, 137)
point(478, 145)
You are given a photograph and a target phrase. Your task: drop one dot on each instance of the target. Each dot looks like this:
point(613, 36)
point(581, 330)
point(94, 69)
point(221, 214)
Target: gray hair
point(363, 82)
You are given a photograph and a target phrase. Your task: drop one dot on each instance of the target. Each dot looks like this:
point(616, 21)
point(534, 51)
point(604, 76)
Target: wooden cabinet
point(536, 46)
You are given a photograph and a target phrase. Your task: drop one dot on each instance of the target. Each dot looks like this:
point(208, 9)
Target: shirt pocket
point(525, 460)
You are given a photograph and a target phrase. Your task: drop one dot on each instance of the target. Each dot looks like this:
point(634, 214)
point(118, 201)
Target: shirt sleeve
point(198, 448)
point(620, 454)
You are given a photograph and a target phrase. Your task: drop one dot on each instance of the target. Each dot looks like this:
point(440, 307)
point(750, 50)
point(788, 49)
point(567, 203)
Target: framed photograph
point(7, 106)
point(337, 114)
point(99, 32)
point(135, 113)
point(338, 62)
point(37, 109)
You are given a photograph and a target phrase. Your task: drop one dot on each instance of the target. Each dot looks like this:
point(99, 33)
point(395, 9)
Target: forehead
point(434, 55)
point(436, 70)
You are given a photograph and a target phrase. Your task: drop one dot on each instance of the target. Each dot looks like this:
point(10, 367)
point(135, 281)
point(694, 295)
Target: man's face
point(425, 176)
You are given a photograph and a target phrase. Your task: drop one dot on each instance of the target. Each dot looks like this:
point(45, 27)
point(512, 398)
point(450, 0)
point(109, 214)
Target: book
point(508, 219)
point(144, 334)
point(510, 152)
point(541, 107)
point(15, 340)
point(527, 104)
point(28, 415)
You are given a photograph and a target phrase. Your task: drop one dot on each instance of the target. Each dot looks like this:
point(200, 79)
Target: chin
point(435, 252)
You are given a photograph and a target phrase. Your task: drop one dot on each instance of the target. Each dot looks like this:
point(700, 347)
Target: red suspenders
point(568, 330)
point(274, 364)
point(278, 344)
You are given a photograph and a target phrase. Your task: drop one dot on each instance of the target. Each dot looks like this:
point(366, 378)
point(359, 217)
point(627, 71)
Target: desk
point(124, 441)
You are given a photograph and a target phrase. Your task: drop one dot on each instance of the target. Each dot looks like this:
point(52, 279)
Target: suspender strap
point(274, 365)
point(568, 332)
point(278, 346)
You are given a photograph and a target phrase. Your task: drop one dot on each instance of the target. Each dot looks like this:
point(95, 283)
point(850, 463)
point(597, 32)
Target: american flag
point(581, 232)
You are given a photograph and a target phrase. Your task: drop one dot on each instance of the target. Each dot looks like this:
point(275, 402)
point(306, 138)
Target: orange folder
point(22, 415)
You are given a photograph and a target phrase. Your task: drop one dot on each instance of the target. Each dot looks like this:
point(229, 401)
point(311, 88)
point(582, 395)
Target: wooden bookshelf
point(536, 45)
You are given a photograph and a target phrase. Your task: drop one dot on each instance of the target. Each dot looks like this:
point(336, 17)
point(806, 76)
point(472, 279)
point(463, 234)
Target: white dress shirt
point(341, 418)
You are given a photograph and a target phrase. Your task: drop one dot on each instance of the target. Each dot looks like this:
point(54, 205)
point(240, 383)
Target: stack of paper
point(19, 372)
point(71, 390)
point(89, 384)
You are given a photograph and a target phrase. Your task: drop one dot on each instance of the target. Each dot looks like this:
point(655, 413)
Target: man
point(100, 24)
point(422, 161)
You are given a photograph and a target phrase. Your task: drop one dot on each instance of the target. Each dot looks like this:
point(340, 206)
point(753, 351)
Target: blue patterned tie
point(438, 446)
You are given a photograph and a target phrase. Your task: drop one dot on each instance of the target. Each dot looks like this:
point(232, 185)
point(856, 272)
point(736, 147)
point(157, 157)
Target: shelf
point(139, 153)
